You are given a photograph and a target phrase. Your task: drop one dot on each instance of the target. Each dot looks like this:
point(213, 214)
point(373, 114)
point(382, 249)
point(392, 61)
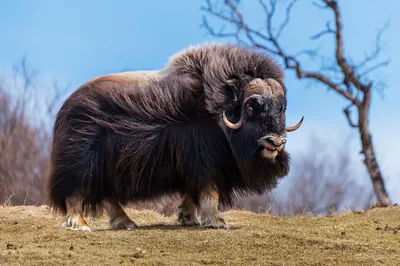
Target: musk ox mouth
point(270, 145)
point(268, 153)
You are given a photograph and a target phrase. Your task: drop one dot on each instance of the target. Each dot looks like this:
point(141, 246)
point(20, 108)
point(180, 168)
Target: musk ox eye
point(249, 111)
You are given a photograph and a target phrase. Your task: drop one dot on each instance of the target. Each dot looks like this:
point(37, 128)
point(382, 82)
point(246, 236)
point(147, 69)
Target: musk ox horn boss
point(210, 126)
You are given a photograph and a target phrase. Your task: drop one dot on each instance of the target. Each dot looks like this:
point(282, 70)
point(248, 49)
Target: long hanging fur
point(139, 136)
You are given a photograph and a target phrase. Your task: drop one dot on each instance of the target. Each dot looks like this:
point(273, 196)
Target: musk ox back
point(209, 126)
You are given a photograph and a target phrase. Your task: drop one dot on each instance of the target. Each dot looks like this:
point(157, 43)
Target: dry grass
point(32, 236)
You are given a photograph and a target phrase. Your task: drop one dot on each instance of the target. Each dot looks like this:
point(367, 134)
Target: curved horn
point(233, 125)
point(276, 88)
point(269, 88)
point(293, 128)
point(258, 86)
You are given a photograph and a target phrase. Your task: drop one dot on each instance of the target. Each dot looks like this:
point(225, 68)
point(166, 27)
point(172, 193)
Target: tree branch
point(348, 70)
point(287, 17)
point(322, 33)
point(347, 114)
point(58, 94)
point(239, 24)
point(327, 82)
point(374, 67)
point(377, 50)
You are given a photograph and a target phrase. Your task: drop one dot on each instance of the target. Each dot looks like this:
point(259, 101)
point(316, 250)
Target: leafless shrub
point(23, 157)
point(25, 136)
point(258, 204)
point(166, 205)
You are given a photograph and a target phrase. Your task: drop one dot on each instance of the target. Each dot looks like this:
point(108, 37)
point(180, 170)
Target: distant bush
point(26, 109)
point(23, 155)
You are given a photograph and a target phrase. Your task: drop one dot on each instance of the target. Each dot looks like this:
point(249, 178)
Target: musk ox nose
point(272, 140)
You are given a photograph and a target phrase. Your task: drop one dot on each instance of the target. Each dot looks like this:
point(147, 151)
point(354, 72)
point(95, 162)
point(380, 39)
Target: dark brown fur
point(135, 138)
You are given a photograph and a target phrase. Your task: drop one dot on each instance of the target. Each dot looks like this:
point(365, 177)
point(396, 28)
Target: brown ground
point(32, 236)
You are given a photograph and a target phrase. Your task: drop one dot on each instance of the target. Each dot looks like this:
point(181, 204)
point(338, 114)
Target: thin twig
point(374, 67)
point(347, 114)
point(286, 21)
point(377, 50)
point(324, 32)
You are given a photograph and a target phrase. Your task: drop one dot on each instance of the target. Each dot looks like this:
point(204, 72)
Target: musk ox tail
point(56, 203)
point(63, 183)
point(84, 176)
point(77, 164)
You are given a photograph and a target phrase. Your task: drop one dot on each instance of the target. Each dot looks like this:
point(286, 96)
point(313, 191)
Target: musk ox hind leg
point(74, 218)
point(118, 218)
point(210, 215)
point(188, 212)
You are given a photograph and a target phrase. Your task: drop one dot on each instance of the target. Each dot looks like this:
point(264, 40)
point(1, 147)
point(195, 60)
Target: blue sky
point(74, 41)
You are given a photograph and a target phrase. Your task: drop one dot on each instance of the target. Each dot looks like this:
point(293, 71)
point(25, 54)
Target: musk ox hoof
point(215, 223)
point(76, 222)
point(188, 219)
point(123, 224)
point(187, 216)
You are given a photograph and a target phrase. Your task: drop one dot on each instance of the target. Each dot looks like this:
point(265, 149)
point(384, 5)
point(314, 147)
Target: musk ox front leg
point(74, 218)
point(118, 218)
point(210, 215)
point(187, 212)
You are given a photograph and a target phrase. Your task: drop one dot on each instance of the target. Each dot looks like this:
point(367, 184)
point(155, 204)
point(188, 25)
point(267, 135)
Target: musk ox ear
point(231, 92)
point(232, 82)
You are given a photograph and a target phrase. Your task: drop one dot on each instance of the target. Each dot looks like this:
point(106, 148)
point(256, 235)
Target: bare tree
point(340, 74)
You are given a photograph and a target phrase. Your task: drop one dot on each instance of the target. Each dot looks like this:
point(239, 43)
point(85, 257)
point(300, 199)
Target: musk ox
point(210, 126)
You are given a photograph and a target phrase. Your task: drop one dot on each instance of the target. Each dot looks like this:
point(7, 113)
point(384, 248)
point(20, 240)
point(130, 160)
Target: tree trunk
point(369, 153)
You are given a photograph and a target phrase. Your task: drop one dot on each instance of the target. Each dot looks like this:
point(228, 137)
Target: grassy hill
point(32, 236)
